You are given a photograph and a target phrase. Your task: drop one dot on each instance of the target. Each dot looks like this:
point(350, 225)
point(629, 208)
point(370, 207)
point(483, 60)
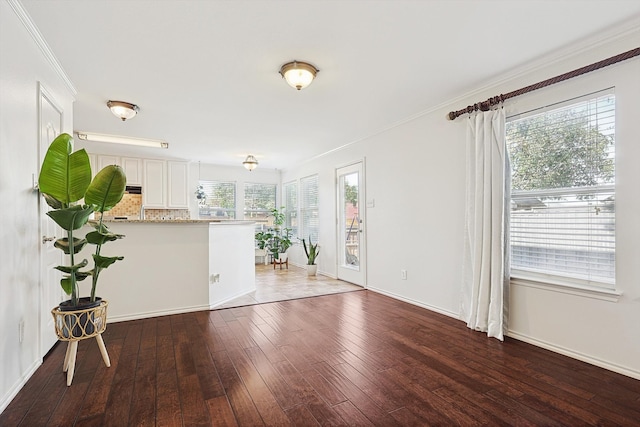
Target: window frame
point(231, 212)
point(304, 209)
point(600, 289)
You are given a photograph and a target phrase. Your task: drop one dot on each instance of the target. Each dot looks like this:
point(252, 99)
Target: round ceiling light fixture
point(250, 163)
point(123, 110)
point(298, 74)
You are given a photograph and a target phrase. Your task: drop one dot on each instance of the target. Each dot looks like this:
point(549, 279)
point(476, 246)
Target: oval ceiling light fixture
point(298, 74)
point(123, 110)
point(250, 163)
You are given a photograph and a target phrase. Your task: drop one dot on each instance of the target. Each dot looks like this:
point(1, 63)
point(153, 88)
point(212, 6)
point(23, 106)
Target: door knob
point(46, 239)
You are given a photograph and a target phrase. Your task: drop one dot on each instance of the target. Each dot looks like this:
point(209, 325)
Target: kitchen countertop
point(178, 221)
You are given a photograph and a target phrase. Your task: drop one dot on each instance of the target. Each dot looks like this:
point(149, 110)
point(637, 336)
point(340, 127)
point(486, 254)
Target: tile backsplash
point(130, 205)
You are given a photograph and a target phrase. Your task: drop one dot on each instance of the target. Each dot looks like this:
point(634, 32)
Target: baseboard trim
point(148, 314)
point(226, 300)
point(575, 355)
point(417, 303)
point(13, 391)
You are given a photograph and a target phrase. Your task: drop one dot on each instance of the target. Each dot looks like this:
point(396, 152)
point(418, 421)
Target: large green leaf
point(97, 238)
point(68, 269)
point(104, 261)
point(106, 189)
point(67, 284)
point(71, 218)
point(64, 175)
point(63, 244)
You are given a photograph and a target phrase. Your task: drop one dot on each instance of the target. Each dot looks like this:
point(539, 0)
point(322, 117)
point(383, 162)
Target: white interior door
point(352, 254)
point(50, 291)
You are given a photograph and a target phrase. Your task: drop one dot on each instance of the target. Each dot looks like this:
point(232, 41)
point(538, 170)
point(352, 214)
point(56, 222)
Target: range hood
point(133, 189)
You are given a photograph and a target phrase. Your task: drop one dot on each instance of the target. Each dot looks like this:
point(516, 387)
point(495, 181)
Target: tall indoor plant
point(276, 239)
point(66, 184)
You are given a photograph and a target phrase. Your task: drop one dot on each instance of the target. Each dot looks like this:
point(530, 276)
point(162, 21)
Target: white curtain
point(484, 303)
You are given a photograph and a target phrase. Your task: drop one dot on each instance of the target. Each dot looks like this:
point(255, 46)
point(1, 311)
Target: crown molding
point(31, 28)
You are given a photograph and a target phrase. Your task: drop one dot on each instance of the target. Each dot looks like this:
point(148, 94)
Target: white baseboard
point(148, 314)
point(226, 300)
point(575, 355)
point(414, 302)
point(533, 341)
point(11, 393)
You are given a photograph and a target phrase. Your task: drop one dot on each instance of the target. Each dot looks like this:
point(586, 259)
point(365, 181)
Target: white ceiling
point(205, 73)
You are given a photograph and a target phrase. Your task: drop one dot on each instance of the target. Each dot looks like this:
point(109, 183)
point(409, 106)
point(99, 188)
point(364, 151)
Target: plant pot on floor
point(86, 320)
point(312, 270)
point(283, 258)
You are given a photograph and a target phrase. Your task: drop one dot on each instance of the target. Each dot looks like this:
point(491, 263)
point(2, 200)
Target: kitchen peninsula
point(176, 266)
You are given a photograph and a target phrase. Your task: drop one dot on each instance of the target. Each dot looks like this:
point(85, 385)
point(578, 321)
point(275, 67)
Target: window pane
point(259, 199)
point(290, 203)
point(220, 201)
point(563, 193)
point(309, 207)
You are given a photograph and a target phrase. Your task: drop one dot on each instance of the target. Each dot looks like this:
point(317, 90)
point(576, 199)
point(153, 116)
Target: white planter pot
point(312, 270)
point(282, 257)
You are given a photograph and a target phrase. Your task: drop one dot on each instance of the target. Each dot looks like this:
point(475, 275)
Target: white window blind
point(290, 204)
point(259, 199)
point(309, 207)
point(221, 199)
point(563, 192)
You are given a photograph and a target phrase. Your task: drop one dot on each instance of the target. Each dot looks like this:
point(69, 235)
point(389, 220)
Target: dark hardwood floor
point(357, 358)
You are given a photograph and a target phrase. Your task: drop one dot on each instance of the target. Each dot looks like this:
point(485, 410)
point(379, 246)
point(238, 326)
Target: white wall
point(416, 174)
point(22, 66)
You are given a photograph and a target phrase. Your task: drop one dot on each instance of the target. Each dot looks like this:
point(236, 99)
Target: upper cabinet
point(177, 184)
point(133, 169)
point(165, 184)
point(106, 161)
point(154, 184)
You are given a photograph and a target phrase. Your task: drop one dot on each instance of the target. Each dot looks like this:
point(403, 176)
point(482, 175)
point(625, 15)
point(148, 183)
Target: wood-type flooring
point(356, 359)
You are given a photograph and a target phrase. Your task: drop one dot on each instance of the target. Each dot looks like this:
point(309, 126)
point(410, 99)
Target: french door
point(351, 251)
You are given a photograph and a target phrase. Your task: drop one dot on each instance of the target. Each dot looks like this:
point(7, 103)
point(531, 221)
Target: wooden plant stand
point(280, 263)
point(74, 326)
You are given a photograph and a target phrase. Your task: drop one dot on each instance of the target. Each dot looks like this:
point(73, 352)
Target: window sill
point(610, 295)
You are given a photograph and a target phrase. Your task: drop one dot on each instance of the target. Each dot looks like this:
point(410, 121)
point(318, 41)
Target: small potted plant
point(66, 185)
point(312, 251)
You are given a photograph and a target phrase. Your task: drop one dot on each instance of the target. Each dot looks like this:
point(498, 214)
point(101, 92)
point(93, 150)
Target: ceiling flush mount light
point(298, 74)
point(114, 139)
point(123, 110)
point(250, 163)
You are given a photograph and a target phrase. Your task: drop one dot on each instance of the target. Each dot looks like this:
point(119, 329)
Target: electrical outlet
point(403, 274)
point(214, 278)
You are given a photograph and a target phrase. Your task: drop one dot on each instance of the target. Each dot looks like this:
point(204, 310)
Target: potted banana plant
point(66, 185)
point(312, 251)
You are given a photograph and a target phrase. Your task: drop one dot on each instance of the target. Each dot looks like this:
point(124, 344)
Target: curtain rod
point(486, 105)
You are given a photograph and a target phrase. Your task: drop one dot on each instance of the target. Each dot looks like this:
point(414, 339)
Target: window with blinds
point(290, 203)
point(220, 201)
point(563, 193)
point(309, 207)
point(259, 199)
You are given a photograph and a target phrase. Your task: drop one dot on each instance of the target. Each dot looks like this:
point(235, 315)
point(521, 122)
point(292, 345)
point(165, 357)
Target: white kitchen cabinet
point(177, 183)
point(106, 161)
point(133, 169)
point(93, 162)
point(154, 184)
